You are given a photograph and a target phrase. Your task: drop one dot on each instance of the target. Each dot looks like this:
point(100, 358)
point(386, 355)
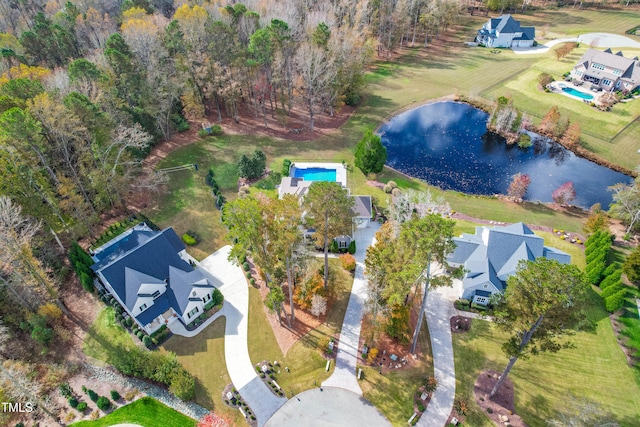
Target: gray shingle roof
point(608, 59)
point(491, 255)
point(155, 260)
point(362, 206)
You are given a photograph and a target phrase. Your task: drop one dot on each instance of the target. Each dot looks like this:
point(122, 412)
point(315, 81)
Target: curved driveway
point(236, 351)
point(599, 40)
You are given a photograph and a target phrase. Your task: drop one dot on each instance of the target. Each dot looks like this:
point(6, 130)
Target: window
point(206, 298)
point(578, 73)
point(143, 307)
point(481, 300)
point(597, 66)
point(617, 72)
point(342, 244)
point(606, 82)
point(193, 312)
point(156, 294)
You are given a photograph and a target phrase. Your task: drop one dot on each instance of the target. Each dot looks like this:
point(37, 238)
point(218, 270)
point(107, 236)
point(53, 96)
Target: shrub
point(387, 188)
point(114, 395)
point(146, 340)
point(217, 297)
point(462, 407)
point(334, 247)
point(524, 141)
point(103, 403)
point(396, 192)
point(92, 395)
point(348, 262)
point(202, 133)
point(478, 306)
point(188, 239)
point(130, 395)
point(246, 266)
point(392, 184)
point(420, 407)
point(216, 130)
point(252, 281)
point(182, 384)
point(65, 390)
point(84, 389)
point(352, 247)
point(73, 402)
point(373, 353)
point(612, 289)
point(611, 279)
point(82, 406)
point(248, 274)
point(615, 301)
point(430, 384)
point(286, 164)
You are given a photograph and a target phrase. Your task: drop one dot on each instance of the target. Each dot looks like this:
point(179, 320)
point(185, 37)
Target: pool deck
point(556, 87)
point(341, 170)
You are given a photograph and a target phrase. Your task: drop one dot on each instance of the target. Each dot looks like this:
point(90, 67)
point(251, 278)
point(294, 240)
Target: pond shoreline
point(430, 162)
point(481, 105)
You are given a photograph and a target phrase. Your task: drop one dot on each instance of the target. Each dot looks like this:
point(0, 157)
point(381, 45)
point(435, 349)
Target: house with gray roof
point(607, 70)
point(151, 275)
point(491, 255)
point(505, 31)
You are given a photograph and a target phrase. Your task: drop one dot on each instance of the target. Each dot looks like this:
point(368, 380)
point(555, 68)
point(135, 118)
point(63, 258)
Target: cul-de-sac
point(346, 213)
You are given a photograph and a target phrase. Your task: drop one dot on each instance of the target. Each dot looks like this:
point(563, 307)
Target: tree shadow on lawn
point(540, 208)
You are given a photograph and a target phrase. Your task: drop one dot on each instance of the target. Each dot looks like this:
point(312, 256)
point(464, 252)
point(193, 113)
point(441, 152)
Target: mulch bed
point(460, 324)
point(266, 376)
point(237, 402)
point(502, 404)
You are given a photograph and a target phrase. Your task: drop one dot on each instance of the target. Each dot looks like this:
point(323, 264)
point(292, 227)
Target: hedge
point(615, 301)
point(610, 279)
point(612, 289)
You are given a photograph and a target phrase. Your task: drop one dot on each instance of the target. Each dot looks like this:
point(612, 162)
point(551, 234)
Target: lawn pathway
point(236, 351)
point(344, 375)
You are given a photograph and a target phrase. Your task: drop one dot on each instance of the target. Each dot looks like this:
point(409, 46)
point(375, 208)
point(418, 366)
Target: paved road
point(328, 407)
point(344, 375)
point(236, 351)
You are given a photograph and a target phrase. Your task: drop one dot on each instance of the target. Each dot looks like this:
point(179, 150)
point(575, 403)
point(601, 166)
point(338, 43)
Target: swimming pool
point(579, 94)
point(316, 174)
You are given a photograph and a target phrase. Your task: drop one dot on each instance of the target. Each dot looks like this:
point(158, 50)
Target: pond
point(447, 145)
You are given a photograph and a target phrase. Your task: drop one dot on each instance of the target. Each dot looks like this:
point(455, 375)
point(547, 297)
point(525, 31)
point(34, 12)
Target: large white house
point(491, 255)
point(151, 275)
point(607, 70)
point(505, 31)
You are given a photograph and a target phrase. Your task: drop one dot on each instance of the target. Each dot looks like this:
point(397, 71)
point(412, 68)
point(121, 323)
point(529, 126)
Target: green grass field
point(145, 412)
point(304, 359)
point(106, 338)
point(595, 369)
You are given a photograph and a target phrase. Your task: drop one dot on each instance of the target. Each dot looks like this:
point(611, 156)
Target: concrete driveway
point(236, 351)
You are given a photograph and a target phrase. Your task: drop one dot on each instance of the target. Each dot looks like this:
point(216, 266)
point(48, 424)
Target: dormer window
point(143, 307)
point(156, 294)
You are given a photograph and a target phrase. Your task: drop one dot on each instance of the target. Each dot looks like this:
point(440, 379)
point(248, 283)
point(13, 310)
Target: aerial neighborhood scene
point(319, 213)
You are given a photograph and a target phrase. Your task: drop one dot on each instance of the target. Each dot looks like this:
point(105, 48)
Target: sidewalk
point(236, 351)
point(344, 375)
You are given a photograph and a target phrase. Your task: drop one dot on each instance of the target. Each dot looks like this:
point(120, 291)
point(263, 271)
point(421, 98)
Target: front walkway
point(236, 351)
point(344, 375)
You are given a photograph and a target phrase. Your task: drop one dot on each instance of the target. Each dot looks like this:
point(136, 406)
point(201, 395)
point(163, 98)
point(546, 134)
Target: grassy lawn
point(145, 412)
point(203, 357)
point(304, 359)
point(595, 369)
point(392, 392)
point(106, 338)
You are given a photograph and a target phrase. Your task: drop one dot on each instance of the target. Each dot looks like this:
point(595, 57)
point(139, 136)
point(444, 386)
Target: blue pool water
point(447, 144)
point(572, 91)
point(315, 174)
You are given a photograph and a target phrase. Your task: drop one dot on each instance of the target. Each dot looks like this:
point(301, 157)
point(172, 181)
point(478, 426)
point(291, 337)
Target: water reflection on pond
point(447, 144)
